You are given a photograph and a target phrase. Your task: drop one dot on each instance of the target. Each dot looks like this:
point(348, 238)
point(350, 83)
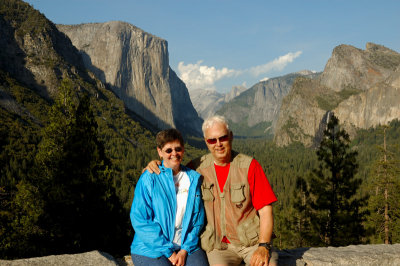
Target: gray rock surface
point(368, 255)
point(94, 258)
point(361, 87)
point(362, 255)
point(208, 102)
point(300, 114)
point(262, 102)
point(377, 106)
point(136, 66)
point(356, 68)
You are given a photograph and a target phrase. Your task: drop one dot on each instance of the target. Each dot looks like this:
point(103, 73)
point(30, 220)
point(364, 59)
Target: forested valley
point(67, 185)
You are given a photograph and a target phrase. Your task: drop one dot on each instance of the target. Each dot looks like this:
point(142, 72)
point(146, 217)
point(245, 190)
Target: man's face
point(219, 141)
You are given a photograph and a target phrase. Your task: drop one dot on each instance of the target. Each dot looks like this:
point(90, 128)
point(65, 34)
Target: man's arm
point(262, 255)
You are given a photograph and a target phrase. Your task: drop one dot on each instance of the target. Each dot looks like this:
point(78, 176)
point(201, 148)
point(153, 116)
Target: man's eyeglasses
point(177, 149)
point(221, 139)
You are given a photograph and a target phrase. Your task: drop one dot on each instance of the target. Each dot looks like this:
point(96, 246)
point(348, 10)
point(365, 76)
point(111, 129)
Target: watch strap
point(267, 245)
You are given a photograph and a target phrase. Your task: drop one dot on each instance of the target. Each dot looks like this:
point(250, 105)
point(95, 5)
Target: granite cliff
point(208, 102)
point(35, 52)
point(378, 105)
point(359, 86)
point(136, 66)
point(255, 111)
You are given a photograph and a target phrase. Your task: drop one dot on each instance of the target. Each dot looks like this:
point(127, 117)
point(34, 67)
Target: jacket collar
point(163, 168)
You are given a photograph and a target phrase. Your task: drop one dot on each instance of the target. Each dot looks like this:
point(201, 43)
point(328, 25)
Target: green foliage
point(74, 181)
point(290, 126)
point(262, 129)
point(336, 211)
point(384, 203)
point(331, 101)
point(25, 17)
point(348, 91)
point(18, 141)
point(285, 165)
point(389, 60)
point(328, 102)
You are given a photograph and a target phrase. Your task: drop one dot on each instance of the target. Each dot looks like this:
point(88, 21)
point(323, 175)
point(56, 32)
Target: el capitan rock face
point(136, 66)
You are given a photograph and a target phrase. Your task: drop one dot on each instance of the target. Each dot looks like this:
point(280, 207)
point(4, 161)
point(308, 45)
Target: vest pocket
point(207, 239)
point(248, 231)
point(237, 193)
point(207, 191)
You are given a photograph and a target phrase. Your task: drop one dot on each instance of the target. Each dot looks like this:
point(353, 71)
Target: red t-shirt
point(260, 189)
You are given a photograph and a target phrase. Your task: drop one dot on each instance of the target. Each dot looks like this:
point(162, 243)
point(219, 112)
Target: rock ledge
point(366, 255)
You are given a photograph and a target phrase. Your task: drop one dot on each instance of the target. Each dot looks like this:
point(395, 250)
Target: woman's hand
point(172, 259)
point(180, 258)
point(152, 167)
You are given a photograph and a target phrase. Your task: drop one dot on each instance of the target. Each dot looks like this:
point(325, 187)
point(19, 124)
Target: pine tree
point(384, 202)
point(81, 211)
point(336, 208)
point(19, 204)
point(304, 235)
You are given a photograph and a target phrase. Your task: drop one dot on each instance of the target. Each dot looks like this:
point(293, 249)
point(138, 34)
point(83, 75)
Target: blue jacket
point(153, 214)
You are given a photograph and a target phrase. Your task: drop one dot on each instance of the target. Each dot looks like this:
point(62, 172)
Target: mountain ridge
point(350, 75)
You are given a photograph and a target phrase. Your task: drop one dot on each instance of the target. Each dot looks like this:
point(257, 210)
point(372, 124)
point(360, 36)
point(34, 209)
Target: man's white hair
point(216, 119)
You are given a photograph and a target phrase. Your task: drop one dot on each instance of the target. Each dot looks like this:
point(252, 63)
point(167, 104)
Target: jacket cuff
point(169, 253)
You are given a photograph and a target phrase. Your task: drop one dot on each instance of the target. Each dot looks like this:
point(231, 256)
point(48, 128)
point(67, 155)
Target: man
point(237, 199)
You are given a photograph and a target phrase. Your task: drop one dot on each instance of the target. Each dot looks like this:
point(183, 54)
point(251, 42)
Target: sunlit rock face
point(136, 66)
point(361, 87)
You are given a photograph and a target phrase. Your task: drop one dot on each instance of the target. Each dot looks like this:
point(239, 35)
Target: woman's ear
point(159, 153)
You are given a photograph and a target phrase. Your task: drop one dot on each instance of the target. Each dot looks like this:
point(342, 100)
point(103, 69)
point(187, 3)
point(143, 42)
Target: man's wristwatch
point(267, 245)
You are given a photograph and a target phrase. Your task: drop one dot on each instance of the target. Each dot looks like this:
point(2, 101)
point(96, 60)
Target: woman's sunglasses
point(221, 139)
point(177, 149)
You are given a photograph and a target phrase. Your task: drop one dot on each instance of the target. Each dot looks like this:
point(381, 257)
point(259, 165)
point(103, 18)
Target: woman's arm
point(196, 224)
point(142, 216)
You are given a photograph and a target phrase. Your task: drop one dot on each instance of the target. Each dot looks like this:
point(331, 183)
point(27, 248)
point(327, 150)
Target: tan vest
point(230, 213)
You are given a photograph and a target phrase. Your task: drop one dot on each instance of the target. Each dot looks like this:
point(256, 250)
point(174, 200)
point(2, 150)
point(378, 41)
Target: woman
point(167, 211)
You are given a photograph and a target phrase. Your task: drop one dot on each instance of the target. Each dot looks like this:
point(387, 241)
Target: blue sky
point(216, 44)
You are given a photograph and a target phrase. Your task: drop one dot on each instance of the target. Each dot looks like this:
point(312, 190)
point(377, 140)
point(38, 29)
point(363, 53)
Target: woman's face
point(172, 154)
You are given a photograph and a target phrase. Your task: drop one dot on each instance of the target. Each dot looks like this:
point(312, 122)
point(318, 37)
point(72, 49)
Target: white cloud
point(198, 76)
point(264, 79)
point(278, 64)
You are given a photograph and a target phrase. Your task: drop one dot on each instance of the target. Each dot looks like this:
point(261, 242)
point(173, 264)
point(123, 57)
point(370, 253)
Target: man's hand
point(178, 259)
point(260, 257)
point(152, 167)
